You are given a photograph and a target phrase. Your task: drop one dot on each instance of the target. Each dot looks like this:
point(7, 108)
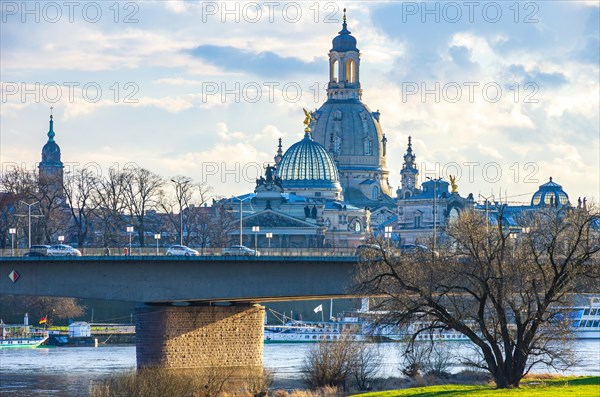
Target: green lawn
point(570, 387)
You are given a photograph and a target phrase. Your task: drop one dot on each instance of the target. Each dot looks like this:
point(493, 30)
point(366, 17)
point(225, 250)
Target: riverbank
point(564, 386)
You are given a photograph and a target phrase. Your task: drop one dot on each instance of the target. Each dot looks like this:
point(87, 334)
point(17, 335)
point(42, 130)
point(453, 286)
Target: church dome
point(51, 150)
point(344, 41)
point(51, 154)
point(307, 164)
point(550, 194)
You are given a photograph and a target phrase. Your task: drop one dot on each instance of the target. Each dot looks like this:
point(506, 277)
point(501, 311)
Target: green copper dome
point(307, 164)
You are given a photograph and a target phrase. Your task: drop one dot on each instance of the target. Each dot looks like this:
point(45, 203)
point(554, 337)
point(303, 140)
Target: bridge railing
point(151, 251)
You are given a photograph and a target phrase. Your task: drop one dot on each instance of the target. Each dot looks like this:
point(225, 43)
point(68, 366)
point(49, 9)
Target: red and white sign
point(14, 276)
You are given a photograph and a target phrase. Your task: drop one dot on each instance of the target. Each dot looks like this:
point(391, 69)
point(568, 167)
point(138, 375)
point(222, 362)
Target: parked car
point(37, 250)
point(181, 250)
point(416, 248)
point(368, 250)
point(240, 250)
point(63, 250)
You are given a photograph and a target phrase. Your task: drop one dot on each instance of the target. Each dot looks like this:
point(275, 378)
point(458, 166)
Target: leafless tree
point(177, 206)
point(55, 212)
point(142, 194)
point(224, 220)
point(109, 201)
point(503, 291)
point(15, 185)
point(337, 363)
point(24, 186)
point(79, 187)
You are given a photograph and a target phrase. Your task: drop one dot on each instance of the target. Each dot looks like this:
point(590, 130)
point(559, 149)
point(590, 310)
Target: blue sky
point(174, 59)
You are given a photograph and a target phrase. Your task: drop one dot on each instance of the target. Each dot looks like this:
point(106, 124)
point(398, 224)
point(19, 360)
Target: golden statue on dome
point(309, 117)
point(453, 184)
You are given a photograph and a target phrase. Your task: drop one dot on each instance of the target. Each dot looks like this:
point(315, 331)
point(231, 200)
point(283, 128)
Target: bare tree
point(15, 185)
point(79, 186)
point(223, 221)
point(337, 363)
point(55, 212)
point(504, 294)
point(180, 207)
point(109, 201)
point(142, 192)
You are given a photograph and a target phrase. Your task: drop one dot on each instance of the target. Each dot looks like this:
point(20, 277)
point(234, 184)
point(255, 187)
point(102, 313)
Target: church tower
point(51, 168)
point(408, 174)
point(350, 131)
point(344, 66)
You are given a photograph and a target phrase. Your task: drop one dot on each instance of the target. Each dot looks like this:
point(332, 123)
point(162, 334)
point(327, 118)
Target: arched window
point(374, 193)
point(368, 146)
point(452, 215)
point(418, 220)
point(357, 227)
point(334, 74)
point(350, 71)
point(406, 195)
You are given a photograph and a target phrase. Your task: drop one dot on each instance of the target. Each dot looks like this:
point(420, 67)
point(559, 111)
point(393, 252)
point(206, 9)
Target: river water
point(68, 371)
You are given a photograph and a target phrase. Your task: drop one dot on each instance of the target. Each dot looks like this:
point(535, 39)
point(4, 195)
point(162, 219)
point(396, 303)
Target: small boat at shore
point(21, 336)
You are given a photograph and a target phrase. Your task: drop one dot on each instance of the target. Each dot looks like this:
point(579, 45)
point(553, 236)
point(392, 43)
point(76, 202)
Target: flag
point(319, 308)
point(43, 320)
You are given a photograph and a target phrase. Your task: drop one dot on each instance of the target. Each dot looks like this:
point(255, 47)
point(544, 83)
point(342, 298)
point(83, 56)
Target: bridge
point(196, 311)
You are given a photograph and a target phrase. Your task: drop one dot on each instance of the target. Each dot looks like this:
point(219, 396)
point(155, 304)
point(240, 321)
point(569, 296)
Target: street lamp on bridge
point(181, 189)
point(29, 217)
point(130, 231)
point(61, 239)
point(157, 237)
point(269, 236)
point(12, 232)
point(255, 230)
point(388, 234)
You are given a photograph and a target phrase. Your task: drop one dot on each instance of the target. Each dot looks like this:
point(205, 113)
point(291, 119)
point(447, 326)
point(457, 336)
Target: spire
point(409, 157)
point(344, 25)
point(279, 154)
point(51, 131)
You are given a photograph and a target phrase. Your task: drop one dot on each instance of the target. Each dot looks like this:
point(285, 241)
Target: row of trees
point(89, 209)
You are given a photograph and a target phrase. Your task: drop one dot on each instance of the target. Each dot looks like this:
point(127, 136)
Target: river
point(68, 371)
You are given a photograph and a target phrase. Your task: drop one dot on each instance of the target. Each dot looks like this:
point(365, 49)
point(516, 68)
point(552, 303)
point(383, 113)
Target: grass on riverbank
point(571, 387)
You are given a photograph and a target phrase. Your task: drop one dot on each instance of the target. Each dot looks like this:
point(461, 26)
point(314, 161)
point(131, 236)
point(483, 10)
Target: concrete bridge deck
point(160, 279)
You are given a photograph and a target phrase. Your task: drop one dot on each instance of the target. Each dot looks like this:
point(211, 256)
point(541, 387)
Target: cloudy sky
point(503, 94)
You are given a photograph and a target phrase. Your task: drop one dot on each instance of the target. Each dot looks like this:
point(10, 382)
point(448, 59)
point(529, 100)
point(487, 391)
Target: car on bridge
point(37, 250)
point(240, 250)
point(181, 250)
point(417, 249)
point(62, 250)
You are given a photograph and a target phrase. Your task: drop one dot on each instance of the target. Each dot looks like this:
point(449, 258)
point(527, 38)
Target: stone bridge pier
point(192, 337)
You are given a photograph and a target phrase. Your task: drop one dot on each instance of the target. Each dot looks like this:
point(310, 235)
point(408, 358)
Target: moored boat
point(21, 336)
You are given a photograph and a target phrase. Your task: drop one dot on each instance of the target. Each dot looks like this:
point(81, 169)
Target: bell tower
point(344, 66)
point(408, 174)
point(51, 167)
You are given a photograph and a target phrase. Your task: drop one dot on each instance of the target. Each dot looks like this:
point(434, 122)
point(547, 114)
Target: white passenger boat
point(586, 320)
point(20, 336)
point(358, 325)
